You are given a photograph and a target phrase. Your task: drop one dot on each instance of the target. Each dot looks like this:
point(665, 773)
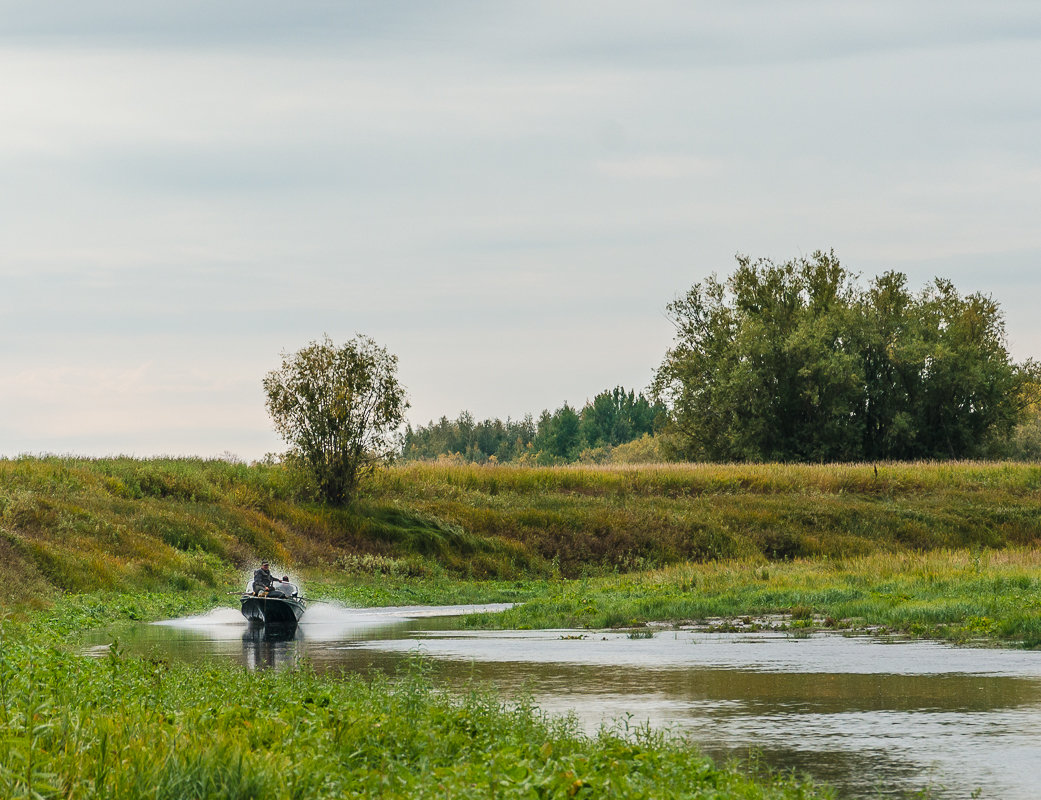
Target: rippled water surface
point(874, 718)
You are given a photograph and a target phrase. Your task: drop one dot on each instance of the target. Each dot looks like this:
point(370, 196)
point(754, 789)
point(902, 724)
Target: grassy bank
point(960, 596)
point(124, 727)
point(78, 525)
point(114, 524)
point(635, 517)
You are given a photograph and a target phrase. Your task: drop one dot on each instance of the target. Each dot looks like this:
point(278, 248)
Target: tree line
point(798, 361)
point(613, 417)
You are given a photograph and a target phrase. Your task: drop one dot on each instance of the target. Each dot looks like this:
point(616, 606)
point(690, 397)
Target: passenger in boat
point(281, 588)
point(287, 588)
point(262, 579)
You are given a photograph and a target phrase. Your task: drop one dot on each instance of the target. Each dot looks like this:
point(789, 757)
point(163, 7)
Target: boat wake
point(326, 621)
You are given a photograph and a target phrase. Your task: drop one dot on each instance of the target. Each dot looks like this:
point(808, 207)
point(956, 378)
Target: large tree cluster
point(801, 362)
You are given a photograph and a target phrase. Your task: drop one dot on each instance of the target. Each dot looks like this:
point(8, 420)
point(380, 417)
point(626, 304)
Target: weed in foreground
point(126, 727)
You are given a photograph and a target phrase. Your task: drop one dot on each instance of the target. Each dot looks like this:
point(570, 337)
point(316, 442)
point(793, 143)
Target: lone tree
point(339, 408)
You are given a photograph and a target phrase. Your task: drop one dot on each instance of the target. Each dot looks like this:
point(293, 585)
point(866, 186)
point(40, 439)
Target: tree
point(339, 408)
point(797, 362)
point(558, 438)
point(616, 416)
point(613, 417)
point(472, 441)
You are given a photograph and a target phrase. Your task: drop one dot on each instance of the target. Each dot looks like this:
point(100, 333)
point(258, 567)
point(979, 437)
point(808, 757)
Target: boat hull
point(272, 610)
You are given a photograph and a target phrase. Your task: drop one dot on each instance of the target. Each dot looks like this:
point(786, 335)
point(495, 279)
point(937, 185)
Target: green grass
point(87, 525)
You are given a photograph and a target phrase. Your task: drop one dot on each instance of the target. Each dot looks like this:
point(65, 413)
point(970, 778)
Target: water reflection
point(267, 646)
point(874, 718)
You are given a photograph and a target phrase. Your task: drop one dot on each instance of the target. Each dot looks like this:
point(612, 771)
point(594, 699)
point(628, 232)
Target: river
point(875, 718)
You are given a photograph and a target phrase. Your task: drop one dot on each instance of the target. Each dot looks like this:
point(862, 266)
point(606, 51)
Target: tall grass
point(881, 479)
point(587, 518)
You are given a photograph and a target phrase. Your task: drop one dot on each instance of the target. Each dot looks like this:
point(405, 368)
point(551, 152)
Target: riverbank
point(585, 519)
point(87, 525)
point(941, 550)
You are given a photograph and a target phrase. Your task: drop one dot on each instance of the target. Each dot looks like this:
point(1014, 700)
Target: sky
point(505, 195)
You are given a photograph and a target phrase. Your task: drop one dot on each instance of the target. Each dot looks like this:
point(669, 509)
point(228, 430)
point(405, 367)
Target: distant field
point(93, 525)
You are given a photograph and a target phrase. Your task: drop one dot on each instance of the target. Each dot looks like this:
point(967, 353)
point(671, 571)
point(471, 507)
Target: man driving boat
point(263, 579)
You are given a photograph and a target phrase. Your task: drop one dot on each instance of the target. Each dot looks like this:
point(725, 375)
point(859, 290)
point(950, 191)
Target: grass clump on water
point(958, 595)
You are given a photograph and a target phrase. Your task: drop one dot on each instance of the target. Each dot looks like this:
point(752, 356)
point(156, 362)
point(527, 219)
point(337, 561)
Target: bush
point(645, 450)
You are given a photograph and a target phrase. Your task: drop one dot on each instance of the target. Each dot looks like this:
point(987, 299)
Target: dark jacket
point(262, 579)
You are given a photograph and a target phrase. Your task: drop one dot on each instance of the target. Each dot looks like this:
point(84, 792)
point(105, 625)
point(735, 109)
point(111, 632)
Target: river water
point(874, 718)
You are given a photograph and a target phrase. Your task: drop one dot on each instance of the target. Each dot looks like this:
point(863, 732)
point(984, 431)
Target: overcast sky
point(504, 194)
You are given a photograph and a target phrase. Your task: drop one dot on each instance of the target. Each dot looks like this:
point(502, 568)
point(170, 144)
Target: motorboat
point(279, 605)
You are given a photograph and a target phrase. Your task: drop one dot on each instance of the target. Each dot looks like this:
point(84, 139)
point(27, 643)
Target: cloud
point(44, 384)
point(505, 194)
point(541, 31)
point(655, 167)
point(48, 408)
point(198, 23)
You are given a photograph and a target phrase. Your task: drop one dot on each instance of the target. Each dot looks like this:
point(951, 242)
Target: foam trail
point(330, 620)
point(218, 616)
